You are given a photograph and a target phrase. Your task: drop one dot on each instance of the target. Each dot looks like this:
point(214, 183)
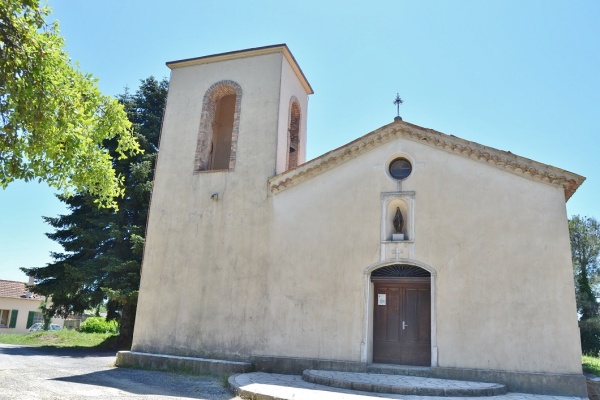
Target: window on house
point(8, 318)
point(4, 318)
point(34, 317)
point(293, 136)
point(218, 133)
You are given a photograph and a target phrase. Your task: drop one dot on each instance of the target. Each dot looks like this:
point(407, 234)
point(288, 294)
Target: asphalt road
point(47, 373)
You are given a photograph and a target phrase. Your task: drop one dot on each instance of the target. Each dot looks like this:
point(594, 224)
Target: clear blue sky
point(522, 76)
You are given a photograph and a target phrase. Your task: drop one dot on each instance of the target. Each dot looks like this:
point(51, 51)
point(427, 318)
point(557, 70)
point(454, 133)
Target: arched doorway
point(402, 315)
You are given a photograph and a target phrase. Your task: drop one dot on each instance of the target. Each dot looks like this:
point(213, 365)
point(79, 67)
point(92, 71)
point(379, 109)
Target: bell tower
point(232, 121)
point(242, 112)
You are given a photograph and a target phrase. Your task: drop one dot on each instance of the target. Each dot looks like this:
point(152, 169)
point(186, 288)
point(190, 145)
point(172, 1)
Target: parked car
point(39, 326)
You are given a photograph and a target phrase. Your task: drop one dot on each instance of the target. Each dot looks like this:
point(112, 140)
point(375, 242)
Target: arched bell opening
point(293, 135)
point(219, 127)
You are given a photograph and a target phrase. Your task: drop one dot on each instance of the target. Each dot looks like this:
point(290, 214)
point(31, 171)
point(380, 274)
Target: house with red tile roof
point(19, 308)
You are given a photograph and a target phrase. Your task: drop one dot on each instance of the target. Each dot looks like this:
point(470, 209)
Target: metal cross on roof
point(397, 102)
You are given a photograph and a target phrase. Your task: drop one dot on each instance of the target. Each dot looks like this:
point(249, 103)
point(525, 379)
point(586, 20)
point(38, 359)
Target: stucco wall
point(498, 243)
point(283, 274)
point(195, 244)
point(501, 248)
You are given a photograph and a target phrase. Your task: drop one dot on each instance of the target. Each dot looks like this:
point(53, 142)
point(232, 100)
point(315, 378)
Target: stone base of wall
point(593, 387)
point(295, 366)
point(193, 365)
point(520, 382)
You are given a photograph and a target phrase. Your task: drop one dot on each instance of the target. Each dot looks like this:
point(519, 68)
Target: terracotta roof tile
point(13, 289)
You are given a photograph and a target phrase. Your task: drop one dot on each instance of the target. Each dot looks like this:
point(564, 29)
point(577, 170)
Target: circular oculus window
point(400, 168)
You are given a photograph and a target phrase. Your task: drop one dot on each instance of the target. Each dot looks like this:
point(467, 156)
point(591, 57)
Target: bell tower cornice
point(253, 52)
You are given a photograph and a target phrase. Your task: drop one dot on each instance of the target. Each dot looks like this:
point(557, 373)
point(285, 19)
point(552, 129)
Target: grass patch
point(64, 338)
point(591, 365)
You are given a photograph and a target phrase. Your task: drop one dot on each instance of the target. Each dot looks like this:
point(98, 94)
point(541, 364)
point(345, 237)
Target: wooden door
point(402, 321)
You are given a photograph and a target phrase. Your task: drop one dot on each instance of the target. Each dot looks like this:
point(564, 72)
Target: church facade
point(406, 246)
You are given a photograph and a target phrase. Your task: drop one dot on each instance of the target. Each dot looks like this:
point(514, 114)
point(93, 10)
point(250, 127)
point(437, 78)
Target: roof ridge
point(10, 280)
point(501, 159)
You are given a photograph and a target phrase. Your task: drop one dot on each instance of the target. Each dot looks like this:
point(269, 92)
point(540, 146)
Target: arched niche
point(397, 209)
point(395, 203)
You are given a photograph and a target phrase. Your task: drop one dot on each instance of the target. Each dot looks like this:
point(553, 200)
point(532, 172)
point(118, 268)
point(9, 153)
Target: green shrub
point(98, 325)
point(591, 365)
point(589, 330)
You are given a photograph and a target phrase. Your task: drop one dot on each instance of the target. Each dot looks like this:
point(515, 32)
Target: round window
point(400, 168)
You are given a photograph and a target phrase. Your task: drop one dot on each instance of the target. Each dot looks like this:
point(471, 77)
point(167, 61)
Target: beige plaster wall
point(195, 244)
point(284, 275)
point(23, 306)
point(498, 243)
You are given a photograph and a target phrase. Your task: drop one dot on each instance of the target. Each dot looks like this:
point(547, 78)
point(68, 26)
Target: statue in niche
point(398, 221)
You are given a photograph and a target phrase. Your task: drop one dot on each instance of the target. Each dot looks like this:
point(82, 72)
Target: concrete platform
point(516, 381)
point(400, 384)
point(265, 386)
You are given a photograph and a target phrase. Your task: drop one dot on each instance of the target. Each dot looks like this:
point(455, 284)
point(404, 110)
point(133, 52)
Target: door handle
point(404, 325)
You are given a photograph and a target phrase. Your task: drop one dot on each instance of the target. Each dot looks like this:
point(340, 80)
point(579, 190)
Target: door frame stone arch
point(366, 355)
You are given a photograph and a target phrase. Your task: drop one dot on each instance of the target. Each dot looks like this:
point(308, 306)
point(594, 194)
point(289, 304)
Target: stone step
point(393, 369)
point(266, 386)
point(193, 365)
point(402, 384)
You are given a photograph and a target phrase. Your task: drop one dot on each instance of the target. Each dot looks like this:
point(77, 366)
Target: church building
point(404, 247)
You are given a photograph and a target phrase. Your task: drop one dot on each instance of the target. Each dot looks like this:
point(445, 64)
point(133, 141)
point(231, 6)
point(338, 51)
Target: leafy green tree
point(103, 247)
point(47, 314)
point(53, 118)
point(585, 248)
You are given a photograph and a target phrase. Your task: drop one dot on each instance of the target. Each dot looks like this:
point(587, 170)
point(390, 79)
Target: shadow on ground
point(144, 382)
point(52, 351)
point(94, 367)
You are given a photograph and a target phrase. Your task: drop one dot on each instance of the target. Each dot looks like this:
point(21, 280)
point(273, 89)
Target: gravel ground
point(48, 373)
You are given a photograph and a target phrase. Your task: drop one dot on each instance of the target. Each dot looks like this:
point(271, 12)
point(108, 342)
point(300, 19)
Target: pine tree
point(102, 248)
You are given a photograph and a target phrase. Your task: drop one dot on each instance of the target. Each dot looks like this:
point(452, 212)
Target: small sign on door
point(381, 299)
